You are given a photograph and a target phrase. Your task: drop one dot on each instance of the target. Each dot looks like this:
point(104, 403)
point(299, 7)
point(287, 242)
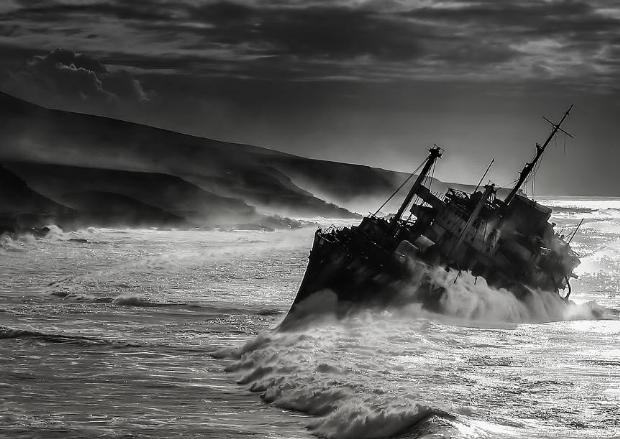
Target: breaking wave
point(364, 376)
point(349, 373)
point(456, 295)
point(295, 372)
point(603, 208)
point(471, 298)
point(15, 333)
point(11, 243)
point(21, 240)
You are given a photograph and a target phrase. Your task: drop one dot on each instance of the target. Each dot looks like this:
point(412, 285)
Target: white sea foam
point(365, 376)
point(128, 300)
point(334, 369)
point(402, 371)
point(9, 242)
point(294, 371)
point(468, 297)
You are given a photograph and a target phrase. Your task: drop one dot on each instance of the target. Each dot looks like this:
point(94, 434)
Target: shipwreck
point(509, 242)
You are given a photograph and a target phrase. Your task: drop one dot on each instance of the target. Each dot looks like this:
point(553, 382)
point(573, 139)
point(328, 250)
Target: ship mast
point(527, 169)
point(434, 154)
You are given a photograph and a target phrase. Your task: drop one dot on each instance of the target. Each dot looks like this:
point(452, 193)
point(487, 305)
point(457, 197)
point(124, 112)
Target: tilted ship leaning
point(510, 243)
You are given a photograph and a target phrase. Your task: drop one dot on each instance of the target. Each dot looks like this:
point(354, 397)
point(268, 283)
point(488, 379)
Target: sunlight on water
point(169, 333)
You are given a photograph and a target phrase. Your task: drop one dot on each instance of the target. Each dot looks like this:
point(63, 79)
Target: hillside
point(201, 181)
point(21, 207)
point(170, 194)
point(33, 134)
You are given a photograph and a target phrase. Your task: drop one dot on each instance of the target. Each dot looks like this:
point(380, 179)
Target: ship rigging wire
point(532, 177)
point(430, 179)
point(400, 187)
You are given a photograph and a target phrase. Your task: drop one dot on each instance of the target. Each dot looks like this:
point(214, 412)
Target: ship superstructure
point(508, 242)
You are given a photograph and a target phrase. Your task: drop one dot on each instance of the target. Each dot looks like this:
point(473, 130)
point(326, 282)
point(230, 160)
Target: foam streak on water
point(165, 334)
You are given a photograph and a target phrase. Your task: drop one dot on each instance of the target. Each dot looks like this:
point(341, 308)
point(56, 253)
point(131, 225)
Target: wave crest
point(295, 371)
point(471, 298)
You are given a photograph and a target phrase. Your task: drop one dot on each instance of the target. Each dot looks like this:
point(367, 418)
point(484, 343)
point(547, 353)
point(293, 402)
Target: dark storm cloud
point(567, 19)
point(352, 80)
point(58, 11)
point(524, 13)
point(317, 31)
point(323, 40)
point(74, 79)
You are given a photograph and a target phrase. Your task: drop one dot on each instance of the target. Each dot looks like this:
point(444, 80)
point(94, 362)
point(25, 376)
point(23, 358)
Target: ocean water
point(147, 333)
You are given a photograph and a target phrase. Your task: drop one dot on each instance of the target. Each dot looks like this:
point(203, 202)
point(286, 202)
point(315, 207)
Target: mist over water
point(171, 333)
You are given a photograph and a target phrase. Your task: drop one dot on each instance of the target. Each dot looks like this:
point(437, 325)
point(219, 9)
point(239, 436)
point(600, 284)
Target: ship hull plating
point(371, 276)
point(342, 277)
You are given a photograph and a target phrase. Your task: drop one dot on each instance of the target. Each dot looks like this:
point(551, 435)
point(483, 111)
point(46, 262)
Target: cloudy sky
point(373, 82)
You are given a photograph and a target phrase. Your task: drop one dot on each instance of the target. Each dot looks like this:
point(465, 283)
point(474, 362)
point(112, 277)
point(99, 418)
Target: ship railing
point(457, 193)
point(330, 234)
point(331, 229)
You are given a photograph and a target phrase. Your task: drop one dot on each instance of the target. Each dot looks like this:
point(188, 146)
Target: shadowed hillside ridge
point(17, 197)
point(106, 208)
point(272, 181)
point(169, 193)
point(21, 207)
point(32, 133)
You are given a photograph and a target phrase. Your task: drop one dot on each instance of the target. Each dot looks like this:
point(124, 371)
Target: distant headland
point(78, 170)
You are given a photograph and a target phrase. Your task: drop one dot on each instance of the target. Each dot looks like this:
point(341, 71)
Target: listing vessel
point(509, 242)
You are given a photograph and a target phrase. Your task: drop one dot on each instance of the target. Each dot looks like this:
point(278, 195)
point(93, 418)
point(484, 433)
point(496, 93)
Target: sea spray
point(334, 367)
point(10, 242)
point(298, 371)
point(469, 297)
point(447, 293)
point(497, 380)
